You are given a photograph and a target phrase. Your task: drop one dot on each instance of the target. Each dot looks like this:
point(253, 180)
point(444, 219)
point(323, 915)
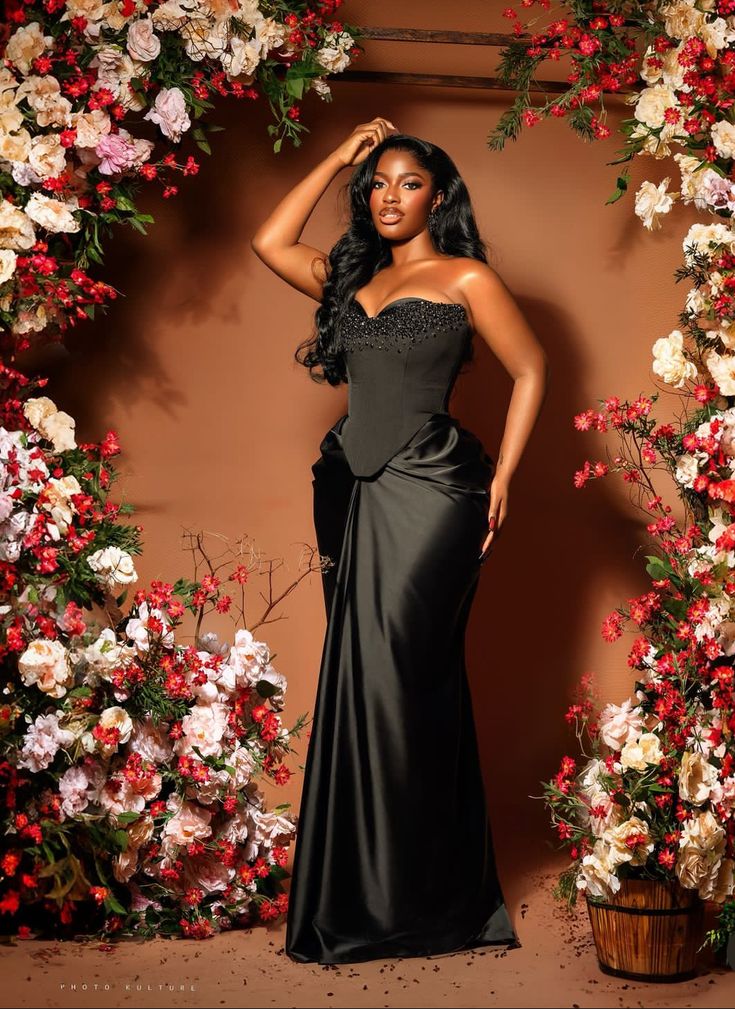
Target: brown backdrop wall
point(194, 368)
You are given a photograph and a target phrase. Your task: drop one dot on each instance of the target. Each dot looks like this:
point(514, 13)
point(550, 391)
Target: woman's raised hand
point(363, 139)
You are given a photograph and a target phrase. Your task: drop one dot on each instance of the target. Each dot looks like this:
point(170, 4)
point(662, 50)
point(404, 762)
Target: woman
point(394, 855)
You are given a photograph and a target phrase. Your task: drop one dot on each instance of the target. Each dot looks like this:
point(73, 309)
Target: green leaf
point(622, 188)
point(112, 904)
point(658, 568)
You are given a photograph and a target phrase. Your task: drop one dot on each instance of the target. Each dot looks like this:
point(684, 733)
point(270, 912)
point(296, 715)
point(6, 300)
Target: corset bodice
point(401, 366)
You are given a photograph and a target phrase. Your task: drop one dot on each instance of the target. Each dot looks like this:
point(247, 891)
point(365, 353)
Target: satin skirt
point(394, 854)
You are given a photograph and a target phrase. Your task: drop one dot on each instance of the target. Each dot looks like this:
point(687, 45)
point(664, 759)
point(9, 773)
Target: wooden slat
point(449, 81)
point(659, 945)
point(438, 35)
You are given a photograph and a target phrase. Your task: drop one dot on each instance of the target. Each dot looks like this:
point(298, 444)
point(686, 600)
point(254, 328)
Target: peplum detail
point(401, 366)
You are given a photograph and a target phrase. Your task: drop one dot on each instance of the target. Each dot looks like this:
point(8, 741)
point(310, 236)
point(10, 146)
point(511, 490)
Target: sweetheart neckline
point(408, 297)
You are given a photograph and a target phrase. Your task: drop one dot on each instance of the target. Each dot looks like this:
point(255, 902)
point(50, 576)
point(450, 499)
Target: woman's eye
point(379, 183)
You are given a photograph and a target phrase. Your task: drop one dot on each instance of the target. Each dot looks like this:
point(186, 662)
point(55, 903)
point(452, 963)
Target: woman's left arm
point(500, 323)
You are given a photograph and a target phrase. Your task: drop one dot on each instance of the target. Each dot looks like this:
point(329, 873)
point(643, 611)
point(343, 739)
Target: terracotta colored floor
point(556, 966)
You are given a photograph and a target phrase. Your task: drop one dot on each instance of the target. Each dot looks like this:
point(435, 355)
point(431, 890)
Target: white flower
point(117, 718)
point(653, 103)
point(718, 608)
point(53, 215)
point(683, 20)
point(114, 567)
point(723, 137)
point(138, 632)
point(57, 499)
point(169, 111)
point(701, 236)
point(619, 724)
point(652, 202)
point(73, 786)
point(107, 652)
point(716, 35)
point(43, 741)
point(26, 44)
point(670, 362)
point(629, 842)
point(606, 812)
point(8, 260)
point(333, 55)
point(722, 370)
point(44, 664)
point(697, 778)
point(204, 727)
point(701, 846)
point(639, 753)
point(55, 425)
point(687, 470)
point(16, 227)
point(142, 42)
point(597, 872)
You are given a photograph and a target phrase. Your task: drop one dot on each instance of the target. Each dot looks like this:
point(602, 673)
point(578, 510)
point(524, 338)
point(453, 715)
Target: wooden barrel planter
point(650, 931)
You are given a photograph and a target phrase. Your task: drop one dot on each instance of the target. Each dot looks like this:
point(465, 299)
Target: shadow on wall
point(532, 607)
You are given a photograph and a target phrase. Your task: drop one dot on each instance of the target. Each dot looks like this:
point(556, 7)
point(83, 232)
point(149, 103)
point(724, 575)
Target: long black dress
point(394, 854)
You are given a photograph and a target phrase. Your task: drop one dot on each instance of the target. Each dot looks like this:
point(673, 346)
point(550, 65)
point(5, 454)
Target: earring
point(433, 217)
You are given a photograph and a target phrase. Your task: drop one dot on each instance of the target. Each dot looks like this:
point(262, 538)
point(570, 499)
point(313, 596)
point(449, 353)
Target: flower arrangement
point(81, 85)
point(130, 761)
point(654, 794)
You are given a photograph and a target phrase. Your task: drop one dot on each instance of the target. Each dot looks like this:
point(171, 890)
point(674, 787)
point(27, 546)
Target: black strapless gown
point(394, 855)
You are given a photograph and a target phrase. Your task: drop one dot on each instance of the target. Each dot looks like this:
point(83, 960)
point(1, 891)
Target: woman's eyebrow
point(402, 175)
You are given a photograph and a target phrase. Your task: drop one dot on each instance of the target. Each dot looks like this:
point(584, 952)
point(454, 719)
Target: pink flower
point(117, 154)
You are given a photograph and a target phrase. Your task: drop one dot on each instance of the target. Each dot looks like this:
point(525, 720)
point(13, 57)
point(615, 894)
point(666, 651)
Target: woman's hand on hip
point(496, 513)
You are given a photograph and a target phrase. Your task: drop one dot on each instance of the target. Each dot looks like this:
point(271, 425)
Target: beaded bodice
point(401, 366)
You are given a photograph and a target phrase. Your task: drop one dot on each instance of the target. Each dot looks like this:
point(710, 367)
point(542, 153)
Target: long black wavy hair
point(361, 252)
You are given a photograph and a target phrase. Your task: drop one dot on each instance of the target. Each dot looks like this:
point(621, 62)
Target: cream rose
point(8, 261)
point(15, 146)
point(653, 103)
point(723, 137)
point(16, 228)
point(116, 717)
point(670, 362)
point(629, 841)
point(55, 425)
point(683, 20)
point(722, 370)
point(719, 884)
point(26, 44)
point(597, 872)
point(619, 724)
point(57, 499)
point(169, 111)
point(700, 237)
point(44, 664)
point(687, 470)
point(638, 754)
point(113, 566)
point(53, 215)
point(142, 42)
point(652, 202)
point(189, 822)
point(697, 778)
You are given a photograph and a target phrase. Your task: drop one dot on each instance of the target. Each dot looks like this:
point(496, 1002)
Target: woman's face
point(401, 195)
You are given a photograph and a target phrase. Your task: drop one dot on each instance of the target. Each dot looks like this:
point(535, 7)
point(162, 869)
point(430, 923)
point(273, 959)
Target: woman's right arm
point(276, 241)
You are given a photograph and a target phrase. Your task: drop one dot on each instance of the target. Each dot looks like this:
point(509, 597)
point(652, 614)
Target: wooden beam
point(449, 81)
point(437, 35)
